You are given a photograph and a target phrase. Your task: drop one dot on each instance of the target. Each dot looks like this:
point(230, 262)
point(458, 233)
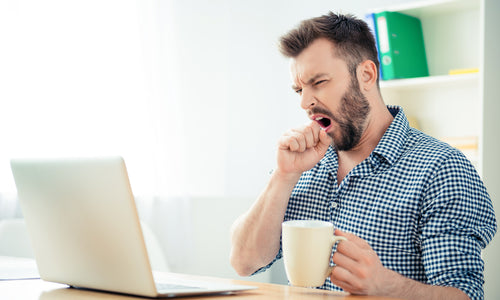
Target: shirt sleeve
point(457, 221)
point(265, 268)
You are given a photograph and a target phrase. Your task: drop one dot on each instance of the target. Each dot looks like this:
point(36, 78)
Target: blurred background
point(193, 94)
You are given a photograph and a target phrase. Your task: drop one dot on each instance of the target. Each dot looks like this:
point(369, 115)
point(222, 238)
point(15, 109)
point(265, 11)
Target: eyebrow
point(310, 81)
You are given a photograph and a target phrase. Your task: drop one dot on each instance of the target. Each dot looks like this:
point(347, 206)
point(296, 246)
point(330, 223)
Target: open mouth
point(323, 122)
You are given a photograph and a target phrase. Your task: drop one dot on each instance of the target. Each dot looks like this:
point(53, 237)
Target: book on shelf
point(401, 46)
point(413, 121)
point(370, 20)
point(467, 144)
point(463, 71)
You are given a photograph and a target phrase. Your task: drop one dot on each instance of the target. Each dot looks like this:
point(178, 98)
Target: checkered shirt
point(418, 202)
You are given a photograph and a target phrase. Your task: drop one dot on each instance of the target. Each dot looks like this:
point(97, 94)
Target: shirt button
point(335, 204)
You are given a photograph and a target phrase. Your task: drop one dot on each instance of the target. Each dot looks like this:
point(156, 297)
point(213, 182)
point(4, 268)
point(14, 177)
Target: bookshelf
point(464, 108)
point(448, 107)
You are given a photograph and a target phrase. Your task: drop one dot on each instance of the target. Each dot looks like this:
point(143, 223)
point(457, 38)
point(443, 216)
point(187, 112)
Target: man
point(414, 210)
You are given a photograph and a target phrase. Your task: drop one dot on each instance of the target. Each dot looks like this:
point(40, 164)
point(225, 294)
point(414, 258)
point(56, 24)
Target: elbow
point(241, 267)
point(240, 257)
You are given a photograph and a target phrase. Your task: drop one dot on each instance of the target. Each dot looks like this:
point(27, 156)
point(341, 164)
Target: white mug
point(307, 249)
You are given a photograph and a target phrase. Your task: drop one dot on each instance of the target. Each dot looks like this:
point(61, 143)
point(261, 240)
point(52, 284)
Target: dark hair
point(354, 42)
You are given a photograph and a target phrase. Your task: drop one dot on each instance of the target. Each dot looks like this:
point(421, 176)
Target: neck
point(378, 121)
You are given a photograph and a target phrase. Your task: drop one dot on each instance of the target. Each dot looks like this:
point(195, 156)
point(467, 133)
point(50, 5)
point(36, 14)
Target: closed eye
point(297, 89)
point(319, 82)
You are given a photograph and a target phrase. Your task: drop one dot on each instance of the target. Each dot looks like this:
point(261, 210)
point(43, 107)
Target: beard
point(351, 118)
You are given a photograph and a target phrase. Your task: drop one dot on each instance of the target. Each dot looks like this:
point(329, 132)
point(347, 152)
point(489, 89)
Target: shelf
point(430, 82)
point(433, 7)
point(457, 35)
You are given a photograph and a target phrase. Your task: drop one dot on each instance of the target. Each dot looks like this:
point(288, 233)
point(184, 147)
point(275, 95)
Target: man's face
point(329, 94)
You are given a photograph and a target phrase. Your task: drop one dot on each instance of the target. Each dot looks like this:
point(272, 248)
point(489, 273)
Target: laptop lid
point(84, 227)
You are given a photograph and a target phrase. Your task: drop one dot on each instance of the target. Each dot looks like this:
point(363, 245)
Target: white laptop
point(85, 230)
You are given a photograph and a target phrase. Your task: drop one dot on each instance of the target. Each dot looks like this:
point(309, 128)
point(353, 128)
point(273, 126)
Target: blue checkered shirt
point(418, 202)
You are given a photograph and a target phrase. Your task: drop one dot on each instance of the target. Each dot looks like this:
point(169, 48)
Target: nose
point(308, 99)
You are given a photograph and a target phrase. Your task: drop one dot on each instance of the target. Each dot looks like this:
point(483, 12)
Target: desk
point(37, 289)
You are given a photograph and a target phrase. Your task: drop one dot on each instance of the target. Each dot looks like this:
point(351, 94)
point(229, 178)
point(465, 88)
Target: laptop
point(85, 230)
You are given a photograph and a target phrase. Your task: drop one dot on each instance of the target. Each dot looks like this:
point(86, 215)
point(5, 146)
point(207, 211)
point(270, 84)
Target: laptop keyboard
point(169, 287)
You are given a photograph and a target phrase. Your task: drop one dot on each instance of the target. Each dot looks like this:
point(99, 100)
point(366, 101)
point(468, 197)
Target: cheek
point(332, 98)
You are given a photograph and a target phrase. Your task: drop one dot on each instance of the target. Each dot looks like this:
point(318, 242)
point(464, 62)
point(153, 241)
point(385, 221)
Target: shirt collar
point(391, 144)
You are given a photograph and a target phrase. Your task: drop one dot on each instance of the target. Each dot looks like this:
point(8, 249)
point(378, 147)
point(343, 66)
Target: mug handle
point(334, 240)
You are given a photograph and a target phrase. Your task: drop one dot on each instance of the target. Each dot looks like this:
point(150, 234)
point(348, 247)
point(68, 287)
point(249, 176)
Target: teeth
point(318, 118)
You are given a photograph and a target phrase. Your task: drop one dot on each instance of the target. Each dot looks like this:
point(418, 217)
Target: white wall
point(235, 85)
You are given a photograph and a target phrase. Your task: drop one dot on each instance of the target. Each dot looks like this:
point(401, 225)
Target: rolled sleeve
point(457, 222)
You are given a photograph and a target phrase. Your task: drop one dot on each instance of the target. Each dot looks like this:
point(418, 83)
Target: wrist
point(291, 177)
point(395, 284)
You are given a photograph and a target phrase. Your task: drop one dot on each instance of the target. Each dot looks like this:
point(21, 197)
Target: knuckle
point(363, 274)
point(357, 286)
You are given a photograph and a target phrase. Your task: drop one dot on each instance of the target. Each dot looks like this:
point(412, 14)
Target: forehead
point(319, 57)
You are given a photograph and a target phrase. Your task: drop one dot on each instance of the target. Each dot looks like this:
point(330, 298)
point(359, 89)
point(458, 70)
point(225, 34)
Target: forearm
point(358, 270)
point(256, 234)
point(405, 288)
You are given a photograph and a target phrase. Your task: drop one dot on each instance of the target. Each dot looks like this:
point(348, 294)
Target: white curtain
point(85, 78)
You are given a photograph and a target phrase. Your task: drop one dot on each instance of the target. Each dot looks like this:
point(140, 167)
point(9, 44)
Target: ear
point(367, 75)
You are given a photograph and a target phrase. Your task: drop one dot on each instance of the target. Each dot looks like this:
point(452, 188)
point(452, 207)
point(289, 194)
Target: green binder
point(401, 45)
